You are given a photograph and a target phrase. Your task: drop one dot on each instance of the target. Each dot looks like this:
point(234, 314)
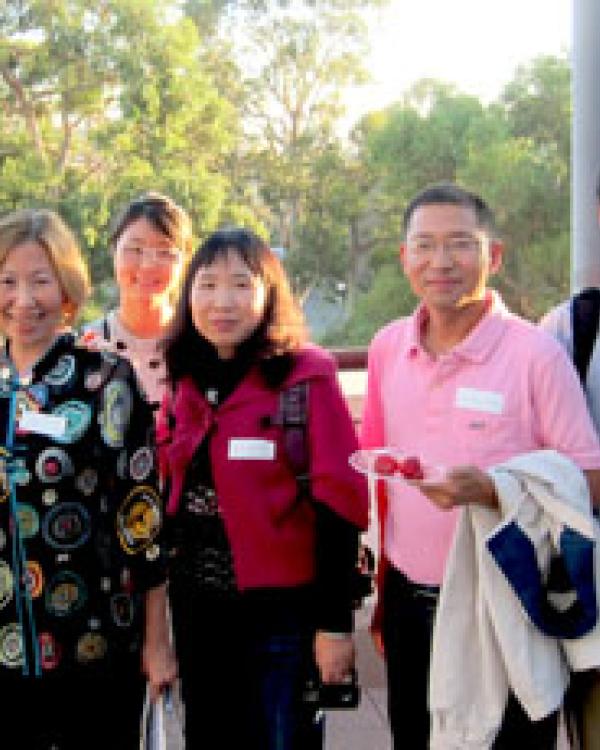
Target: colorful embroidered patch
point(66, 526)
point(116, 412)
point(90, 648)
point(52, 465)
point(50, 651)
point(139, 519)
point(7, 584)
point(65, 594)
point(11, 645)
point(34, 578)
point(39, 392)
point(28, 519)
point(141, 464)
point(21, 475)
point(63, 372)
point(78, 416)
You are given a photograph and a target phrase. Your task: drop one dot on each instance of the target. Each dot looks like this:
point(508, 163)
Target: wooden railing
point(352, 365)
point(351, 358)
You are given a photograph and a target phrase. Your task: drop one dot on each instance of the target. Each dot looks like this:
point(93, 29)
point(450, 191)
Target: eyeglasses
point(160, 256)
point(460, 246)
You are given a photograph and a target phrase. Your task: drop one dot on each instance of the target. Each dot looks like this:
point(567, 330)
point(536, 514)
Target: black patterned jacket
point(80, 514)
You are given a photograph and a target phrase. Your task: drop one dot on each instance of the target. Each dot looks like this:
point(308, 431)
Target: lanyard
point(19, 558)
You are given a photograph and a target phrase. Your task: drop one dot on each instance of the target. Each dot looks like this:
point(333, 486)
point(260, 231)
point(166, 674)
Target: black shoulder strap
point(585, 314)
point(293, 415)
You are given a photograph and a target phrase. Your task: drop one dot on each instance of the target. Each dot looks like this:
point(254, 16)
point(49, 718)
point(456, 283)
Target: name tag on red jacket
point(251, 449)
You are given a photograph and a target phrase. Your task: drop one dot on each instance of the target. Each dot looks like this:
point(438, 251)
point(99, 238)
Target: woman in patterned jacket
point(81, 572)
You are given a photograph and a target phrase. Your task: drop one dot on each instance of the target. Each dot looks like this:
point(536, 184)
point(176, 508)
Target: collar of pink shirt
point(478, 344)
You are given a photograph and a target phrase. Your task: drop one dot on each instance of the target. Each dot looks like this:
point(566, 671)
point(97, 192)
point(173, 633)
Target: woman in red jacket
point(261, 575)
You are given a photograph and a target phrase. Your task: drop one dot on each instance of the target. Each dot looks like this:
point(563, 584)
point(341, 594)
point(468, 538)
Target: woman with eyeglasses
point(151, 240)
point(82, 592)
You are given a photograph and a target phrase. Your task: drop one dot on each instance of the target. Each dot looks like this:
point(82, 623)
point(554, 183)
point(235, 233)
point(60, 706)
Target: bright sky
point(476, 44)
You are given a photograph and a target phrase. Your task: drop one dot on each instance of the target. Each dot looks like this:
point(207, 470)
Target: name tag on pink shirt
point(477, 400)
point(251, 449)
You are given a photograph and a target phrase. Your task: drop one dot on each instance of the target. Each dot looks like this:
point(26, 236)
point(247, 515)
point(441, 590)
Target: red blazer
point(270, 530)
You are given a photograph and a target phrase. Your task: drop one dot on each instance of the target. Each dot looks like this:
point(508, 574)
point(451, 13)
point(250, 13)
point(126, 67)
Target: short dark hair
point(282, 330)
point(163, 213)
point(449, 193)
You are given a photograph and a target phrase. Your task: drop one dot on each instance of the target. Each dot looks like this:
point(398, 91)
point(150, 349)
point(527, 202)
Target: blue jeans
point(282, 662)
point(241, 675)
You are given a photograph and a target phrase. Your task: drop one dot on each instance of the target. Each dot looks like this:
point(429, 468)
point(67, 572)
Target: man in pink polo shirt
point(463, 384)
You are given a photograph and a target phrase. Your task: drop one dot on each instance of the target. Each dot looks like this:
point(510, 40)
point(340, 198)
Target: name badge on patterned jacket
point(43, 424)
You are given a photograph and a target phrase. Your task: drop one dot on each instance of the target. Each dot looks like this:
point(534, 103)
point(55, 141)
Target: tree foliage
point(515, 152)
point(100, 102)
point(235, 108)
point(303, 64)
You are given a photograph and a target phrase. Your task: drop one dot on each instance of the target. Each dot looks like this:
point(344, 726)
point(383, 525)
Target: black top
point(202, 560)
point(89, 514)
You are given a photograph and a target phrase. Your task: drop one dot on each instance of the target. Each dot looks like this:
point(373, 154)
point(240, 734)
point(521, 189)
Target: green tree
point(303, 63)
point(526, 177)
point(538, 105)
point(513, 151)
point(103, 101)
point(530, 208)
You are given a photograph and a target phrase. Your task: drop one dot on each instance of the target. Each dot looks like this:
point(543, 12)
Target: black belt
point(420, 590)
point(428, 592)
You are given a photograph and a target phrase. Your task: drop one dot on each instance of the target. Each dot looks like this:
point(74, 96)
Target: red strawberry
point(411, 468)
point(386, 465)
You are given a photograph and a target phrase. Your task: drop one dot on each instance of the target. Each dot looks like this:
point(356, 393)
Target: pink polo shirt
point(506, 389)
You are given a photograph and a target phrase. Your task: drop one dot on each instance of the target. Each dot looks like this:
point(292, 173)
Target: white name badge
point(251, 449)
point(487, 401)
point(43, 424)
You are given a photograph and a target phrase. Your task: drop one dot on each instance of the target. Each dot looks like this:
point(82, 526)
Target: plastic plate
point(371, 461)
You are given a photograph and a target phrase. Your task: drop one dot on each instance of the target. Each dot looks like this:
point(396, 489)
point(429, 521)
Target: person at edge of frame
point(583, 698)
point(83, 578)
point(464, 384)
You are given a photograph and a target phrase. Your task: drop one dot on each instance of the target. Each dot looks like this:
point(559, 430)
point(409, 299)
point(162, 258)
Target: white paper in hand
point(153, 735)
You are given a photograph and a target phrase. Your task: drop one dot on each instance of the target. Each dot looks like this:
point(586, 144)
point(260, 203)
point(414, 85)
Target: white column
point(585, 159)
